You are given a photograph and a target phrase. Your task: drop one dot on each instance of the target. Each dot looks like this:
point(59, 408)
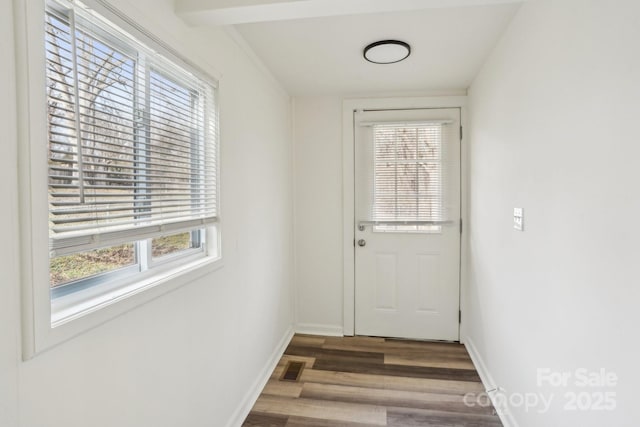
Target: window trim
point(38, 334)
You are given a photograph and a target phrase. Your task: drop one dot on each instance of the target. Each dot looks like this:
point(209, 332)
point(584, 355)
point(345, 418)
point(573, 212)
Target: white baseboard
point(489, 384)
point(252, 395)
point(317, 329)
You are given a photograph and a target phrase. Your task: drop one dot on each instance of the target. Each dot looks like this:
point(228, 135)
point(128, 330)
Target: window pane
point(175, 149)
point(175, 243)
point(92, 156)
point(69, 268)
point(131, 136)
point(406, 143)
point(407, 181)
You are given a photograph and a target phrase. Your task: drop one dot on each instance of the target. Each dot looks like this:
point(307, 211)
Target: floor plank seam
point(363, 381)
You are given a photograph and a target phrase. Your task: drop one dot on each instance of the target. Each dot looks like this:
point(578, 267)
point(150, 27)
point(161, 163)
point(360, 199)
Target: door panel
point(386, 281)
point(407, 223)
point(429, 282)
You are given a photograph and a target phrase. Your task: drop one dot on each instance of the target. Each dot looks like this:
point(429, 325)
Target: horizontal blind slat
point(123, 222)
point(149, 172)
point(152, 157)
point(66, 245)
point(138, 210)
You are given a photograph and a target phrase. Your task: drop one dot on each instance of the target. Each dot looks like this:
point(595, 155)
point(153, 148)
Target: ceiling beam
point(231, 12)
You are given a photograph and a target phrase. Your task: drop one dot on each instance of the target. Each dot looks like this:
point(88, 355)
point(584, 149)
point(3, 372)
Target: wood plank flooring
point(363, 381)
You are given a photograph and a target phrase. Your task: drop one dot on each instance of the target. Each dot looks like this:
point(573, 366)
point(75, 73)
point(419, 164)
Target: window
point(132, 161)
point(408, 178)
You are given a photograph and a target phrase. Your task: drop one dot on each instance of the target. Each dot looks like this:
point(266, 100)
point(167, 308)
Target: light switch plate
point(518, 219)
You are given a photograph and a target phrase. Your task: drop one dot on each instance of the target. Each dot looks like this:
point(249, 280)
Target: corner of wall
point(491, 389)
point(239, 40)
point(250, 398)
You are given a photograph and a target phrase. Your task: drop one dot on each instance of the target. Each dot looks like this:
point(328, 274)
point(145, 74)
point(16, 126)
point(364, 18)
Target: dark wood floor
point(362, 381)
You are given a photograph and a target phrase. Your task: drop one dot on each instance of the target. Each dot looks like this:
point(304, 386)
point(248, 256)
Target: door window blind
point(408, 174)
point(132, 137)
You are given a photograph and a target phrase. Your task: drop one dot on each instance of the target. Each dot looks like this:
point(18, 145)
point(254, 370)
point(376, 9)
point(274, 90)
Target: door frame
point(349, 107)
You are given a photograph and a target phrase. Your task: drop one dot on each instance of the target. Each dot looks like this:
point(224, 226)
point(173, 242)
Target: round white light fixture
point(387, 52)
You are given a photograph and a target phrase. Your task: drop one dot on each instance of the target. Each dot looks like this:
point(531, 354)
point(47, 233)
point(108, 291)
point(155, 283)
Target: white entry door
point(407, 238)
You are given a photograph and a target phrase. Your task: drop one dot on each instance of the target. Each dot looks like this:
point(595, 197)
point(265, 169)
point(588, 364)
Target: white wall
point(318, 213)
point(189, 357)
point(319, 207)
point(554, 116)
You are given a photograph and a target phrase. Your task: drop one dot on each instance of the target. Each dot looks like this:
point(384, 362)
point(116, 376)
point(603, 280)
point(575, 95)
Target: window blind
point(132, 137)
point(408, 173)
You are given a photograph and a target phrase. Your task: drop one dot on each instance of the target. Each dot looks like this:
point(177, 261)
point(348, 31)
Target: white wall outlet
point(518, 219)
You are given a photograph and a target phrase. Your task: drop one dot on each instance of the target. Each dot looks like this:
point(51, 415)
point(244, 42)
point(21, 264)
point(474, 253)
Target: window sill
point(138, 289)
point(71, 317)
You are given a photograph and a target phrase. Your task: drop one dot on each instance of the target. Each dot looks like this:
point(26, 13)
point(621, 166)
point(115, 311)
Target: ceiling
point(315, 50)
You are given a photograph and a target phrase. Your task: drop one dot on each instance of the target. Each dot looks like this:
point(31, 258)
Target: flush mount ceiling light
point(387, 52)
